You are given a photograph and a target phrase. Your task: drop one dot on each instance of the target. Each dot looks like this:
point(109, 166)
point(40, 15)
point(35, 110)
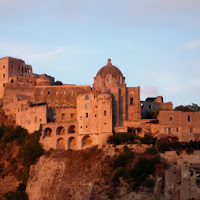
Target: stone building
point(184, 125)
point(78, 116)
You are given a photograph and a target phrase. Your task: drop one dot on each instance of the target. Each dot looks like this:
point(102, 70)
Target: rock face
point(61, 177)
point(84, 175)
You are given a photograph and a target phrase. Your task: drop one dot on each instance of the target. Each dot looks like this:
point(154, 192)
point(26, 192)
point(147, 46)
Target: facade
point(78, 116)
point(183, 125)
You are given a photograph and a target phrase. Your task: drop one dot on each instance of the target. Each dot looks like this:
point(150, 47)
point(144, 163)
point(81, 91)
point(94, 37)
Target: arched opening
point(48, 132)
point(86, 141)
point(72, 129)
point(72, 143)
point(60, 143)
point(12, 81)
point(86, 97)
point(60, 130)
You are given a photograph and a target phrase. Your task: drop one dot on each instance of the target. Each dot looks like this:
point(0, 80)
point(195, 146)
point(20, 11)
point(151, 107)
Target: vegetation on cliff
point(18, 150)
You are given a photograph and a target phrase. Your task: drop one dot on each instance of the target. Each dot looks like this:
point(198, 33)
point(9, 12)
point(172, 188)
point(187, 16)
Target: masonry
point(78, 116)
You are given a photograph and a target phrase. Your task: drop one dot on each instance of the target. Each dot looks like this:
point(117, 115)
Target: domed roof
point(109, 69)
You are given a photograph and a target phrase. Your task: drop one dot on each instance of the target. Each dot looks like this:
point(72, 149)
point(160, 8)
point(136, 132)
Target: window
point(64, 101)
point(86, 106)
point(48, 92)
point(48, 101)
point(104, 113)
point(72, 115)
point(177, 130)
point(72, 100)
point(72, 92)
point(191, 130)
point(4, 84)
point(150, 107)
point(4, 75)
point(131, 101)
point(4, 66)
point(165, 130)
point(63, 115)
point(171, 118)
point(96, 106)
point(63, 92)
point(108, 79)
point(56, 92)
point(86, 126)
point(56, 101)
point(41, 92)
point(188, 118)
point(95, 115)
point(12, 100)
point(142, 105)
point(105, 123)
point(86, 115)
point(80, 126)
point(169, 131)
point(40, 120)
point(86, 97)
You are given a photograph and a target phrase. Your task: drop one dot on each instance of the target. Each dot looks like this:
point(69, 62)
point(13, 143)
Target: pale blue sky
point(155, 43)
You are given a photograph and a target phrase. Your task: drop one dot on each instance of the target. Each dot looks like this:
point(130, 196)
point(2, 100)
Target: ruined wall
point(184, 125)
point(133, 103)
point(32, 117)
point(13, 96)
point(3, 75)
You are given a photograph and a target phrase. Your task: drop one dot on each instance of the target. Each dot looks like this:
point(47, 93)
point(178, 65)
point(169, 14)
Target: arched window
point(72, 129)
point(86, 106)
point(48, 132)
point(86, 97)
point(72, 143)
point(60, 131)
point(86, 141)
point(108, 79)
point(60, 143)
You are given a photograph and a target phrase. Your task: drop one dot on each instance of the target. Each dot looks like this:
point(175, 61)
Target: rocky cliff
point(88, 174)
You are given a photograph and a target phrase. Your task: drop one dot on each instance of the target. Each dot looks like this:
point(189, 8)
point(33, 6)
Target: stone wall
point(184, 125)
point(32, 117)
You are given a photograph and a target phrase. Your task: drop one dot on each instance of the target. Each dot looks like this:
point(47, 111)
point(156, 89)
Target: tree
point(188, 108)
point(58, 83)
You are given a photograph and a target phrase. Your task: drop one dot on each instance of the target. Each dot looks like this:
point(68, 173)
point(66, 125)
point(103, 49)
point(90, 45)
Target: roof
point(109, 69)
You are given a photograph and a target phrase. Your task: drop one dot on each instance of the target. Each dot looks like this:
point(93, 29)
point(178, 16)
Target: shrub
point(151, 150)
point(32, 149)
point(123, 138)
point(143, 168)
point(19, 194)
point(147, 139)
point(189, 150)
point(1, 132)
point(123, 159)
point(120, 171)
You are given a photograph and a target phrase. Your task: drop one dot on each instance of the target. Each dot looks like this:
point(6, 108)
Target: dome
point(109, 69)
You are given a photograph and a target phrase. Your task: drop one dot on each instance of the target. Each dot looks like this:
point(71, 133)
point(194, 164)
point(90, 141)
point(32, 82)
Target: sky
point(155, 43)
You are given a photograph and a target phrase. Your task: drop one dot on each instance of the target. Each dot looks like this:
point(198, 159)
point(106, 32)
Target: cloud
point(45, 55)
point(193, 44)
point(149, 91)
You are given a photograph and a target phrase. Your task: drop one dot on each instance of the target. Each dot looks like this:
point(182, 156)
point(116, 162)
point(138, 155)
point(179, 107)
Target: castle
point(75, 117)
